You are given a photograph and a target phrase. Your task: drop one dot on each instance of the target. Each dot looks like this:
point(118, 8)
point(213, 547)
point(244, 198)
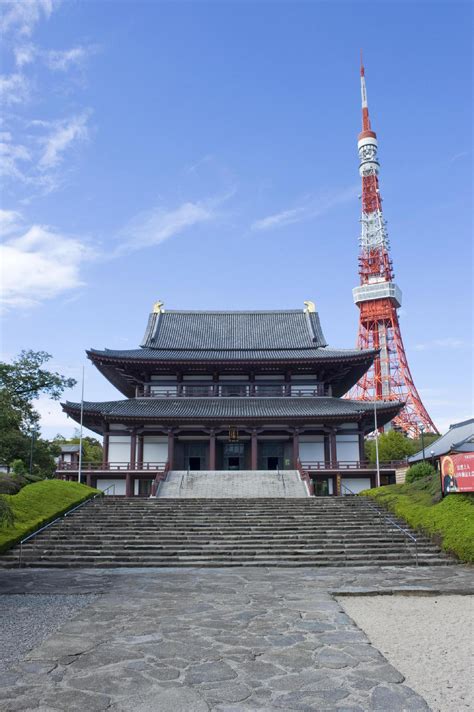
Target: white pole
point(79, 471)
point(376, 445)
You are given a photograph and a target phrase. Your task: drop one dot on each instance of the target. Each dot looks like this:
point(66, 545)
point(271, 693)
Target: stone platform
point(226, 640)
point(233, 484)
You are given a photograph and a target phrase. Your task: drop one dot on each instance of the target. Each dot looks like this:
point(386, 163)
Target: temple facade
point(221, 390)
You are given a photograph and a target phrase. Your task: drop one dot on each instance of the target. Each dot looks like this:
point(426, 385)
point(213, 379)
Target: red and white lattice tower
point(378, 298)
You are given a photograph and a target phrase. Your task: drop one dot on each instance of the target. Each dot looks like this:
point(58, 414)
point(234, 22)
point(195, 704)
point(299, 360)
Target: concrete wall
point(119, 486)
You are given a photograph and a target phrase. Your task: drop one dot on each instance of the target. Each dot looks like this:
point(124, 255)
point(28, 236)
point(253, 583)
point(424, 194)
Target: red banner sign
point(457, 473)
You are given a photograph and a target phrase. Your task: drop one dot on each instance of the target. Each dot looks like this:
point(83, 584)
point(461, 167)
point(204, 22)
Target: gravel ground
point(428, 639)
point(26, 620)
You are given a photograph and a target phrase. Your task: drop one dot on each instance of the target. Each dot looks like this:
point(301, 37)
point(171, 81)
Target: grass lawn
point(39, 503)
point(450, 520)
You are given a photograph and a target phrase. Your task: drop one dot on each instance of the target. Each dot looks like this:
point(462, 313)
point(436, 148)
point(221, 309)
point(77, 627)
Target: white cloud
point(13, 157)
point(38, 265)
point(155, 226)
point(449, 342)
point(63, 134)
point(24, 54)
point(62, 60)
point(10, 220)
point(14, 89)
point(21, 16)
point(310, 208)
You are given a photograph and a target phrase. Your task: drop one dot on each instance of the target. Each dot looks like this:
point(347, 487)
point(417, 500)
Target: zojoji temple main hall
point(232, 390)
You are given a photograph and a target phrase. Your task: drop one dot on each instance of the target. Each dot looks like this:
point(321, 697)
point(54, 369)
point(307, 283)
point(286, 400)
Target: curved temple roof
point(232, 409)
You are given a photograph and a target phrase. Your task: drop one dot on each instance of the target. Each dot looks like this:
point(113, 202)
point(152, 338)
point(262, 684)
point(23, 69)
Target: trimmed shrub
point(7, 517)
point(418, 471)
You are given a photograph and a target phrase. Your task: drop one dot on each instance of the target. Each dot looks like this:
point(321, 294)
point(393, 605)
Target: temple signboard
point(457, 473)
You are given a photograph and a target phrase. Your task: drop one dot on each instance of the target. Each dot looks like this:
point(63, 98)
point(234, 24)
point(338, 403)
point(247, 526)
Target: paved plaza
point(226, 640)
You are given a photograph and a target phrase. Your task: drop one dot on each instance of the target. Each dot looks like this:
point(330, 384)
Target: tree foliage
point(21, 382)
point(418, 471)
point(91, 447)
point(393, 445)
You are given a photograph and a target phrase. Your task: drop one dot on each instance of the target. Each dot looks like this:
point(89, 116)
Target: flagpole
point(377, 445)
point(79, 471)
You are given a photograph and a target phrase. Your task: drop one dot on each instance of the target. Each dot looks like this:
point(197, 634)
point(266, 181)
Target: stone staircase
point(227, 484)
point(324, 531)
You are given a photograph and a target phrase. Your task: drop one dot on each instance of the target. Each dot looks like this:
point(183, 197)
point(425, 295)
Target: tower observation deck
point(378, 297)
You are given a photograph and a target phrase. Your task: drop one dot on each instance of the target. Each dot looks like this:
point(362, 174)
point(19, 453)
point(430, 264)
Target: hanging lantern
point(233, 435)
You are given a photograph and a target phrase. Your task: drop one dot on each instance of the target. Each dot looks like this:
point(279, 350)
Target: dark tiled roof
point(150, 354)
point(191, 330)
point(230, 408)
point(457, 435)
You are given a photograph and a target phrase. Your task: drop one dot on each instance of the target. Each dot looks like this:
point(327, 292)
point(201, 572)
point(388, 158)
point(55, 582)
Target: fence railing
point(350, 465)
point(234, 390)
point(112, 466)
point(393, 524)
point(61, 518)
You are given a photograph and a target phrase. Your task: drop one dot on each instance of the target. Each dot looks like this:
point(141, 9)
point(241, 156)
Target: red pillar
point(105, 446)
point(89, 479)
point(133, 449)
point(140, 450)
point(170, 449)
point(333, 447)
point(128, 485)
point(296, 448)
point(361, 445)
point(253, 451)
point(212, 450)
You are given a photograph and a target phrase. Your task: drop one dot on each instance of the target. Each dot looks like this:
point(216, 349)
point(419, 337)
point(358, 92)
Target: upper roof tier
point(229, 331)
point(230, 340)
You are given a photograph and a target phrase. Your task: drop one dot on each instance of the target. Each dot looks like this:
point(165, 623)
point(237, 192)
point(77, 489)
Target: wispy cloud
point(159, 224)
point(10, 221)
point(63, 60)
point(39, 264)
point(449, 342)
point(310, 207)
point(63, 134)
point(21, 16)
point(14, 89)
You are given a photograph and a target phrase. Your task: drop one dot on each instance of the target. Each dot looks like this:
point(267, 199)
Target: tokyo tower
point(378, 298)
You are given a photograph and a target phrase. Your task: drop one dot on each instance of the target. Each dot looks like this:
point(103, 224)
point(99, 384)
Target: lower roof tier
point(173, 411)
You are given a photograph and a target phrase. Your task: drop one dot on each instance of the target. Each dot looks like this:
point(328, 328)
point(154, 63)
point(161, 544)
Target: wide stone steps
point(114, 532)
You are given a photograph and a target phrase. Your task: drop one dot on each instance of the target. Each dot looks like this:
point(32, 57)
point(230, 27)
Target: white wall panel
point(347, 447)
point(355, 484)
point(119, 486)
point(155, 449)
point(312, 451)
point(119, 448)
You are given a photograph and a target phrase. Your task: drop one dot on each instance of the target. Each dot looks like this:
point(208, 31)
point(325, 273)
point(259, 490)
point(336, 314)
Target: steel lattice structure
point(378, 298)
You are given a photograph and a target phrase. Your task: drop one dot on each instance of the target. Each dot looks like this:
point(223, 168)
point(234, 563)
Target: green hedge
point(449, 521)
point(39, 503)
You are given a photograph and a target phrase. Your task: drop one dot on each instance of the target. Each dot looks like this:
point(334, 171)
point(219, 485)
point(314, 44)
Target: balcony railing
point(233, 390)
point(350, 465)
point(112, 466)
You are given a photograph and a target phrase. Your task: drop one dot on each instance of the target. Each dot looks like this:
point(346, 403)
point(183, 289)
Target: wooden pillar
point(287, 383)
point(170, 449)
point(212, 450)
point(128, 485)
point(361, 444)
point(89, 479)
point(296, 448)
point(333, 447)
point(140, 449)
point(105, 446)
point(253, 451)
point(133, 449)
point(327, 453)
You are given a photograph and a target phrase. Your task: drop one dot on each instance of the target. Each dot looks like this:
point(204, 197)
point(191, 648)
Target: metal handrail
point(61, 518)
point(381, 514)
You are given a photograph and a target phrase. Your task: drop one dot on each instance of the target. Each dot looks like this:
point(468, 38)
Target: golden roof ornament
point(157, 307)
point(310, 307)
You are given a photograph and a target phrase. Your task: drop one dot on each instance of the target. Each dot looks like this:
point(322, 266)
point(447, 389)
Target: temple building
point(232, 390)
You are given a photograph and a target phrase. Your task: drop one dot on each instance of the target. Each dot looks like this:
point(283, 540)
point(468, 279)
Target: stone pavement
point(227, 640)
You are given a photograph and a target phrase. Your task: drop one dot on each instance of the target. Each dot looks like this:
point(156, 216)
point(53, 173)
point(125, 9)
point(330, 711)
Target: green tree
point(91, 447)
point(393, 445)
point(21, 382)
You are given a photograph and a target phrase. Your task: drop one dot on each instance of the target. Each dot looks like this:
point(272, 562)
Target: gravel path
point(429, 639)
point(27, 620)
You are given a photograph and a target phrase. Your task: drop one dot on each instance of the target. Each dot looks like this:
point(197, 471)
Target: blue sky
point(204, 153)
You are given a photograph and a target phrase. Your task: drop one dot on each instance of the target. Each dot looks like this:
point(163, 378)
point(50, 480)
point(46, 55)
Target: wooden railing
point(233, 390)
point(350, 465)
point(112, 466)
